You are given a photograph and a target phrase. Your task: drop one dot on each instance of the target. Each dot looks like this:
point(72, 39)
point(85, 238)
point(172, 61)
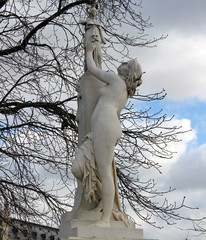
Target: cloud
point(170, 232)
point(188, 173)
point(178, 62)
point(185, 15)
point(177, 65)
point(179, 148)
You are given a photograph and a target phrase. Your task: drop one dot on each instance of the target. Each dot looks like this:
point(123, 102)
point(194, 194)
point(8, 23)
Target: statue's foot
point(101, 223)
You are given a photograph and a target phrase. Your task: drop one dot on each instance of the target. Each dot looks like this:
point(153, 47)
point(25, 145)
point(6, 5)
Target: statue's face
point(123, 69)
point(93, 12)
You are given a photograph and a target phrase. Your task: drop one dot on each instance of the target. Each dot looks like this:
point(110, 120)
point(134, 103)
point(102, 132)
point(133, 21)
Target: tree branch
point(25, 41)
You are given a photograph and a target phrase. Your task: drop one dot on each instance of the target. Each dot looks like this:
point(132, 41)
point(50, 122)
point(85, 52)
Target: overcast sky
point(178, 64)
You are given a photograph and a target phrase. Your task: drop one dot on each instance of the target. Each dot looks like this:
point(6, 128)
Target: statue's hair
point(134, 77)
point(92, 6)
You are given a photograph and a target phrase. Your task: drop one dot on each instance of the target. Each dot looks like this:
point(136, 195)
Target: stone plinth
point(78, 226)
point(79, 238)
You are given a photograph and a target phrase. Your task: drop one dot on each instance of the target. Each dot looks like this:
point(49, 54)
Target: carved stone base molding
point(78, 226)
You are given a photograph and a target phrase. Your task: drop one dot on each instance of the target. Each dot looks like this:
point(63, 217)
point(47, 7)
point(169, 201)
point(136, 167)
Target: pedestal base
point(78, 238)
point(77, 226)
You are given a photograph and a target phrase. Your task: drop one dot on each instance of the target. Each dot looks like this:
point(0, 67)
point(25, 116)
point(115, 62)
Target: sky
point(178, 65)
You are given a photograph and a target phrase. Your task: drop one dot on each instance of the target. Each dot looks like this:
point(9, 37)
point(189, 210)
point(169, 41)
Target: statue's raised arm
point(93, 33)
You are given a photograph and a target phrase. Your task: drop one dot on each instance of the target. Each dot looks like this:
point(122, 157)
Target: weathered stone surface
point(105, 233)
point(78, 226)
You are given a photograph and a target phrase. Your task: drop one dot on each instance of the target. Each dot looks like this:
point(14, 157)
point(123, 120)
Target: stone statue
point(94, 163)
point(93, 33)
point(102, 96)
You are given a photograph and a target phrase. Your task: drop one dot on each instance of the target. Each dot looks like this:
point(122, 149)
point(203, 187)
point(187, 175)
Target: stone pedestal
point(78, 226)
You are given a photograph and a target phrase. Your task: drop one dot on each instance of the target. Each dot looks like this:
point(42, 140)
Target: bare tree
point(42, 58)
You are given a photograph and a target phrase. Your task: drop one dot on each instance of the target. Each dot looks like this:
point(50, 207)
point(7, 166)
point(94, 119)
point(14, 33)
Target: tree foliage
point(42, 58)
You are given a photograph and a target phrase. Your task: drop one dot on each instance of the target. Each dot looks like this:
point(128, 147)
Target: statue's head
point(131, 71)
point(92, 11)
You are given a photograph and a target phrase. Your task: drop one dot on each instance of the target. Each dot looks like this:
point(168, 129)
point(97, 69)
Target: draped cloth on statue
point(86, 161)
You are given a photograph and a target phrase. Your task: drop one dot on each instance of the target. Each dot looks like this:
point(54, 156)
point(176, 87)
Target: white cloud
point(185, 138)
point(188, 173)
point(179, 148)
point(177, 65)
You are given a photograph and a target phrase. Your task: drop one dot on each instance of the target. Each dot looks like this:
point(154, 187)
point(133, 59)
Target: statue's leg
point(99, 208)
point(108, 193)
point(104, 156)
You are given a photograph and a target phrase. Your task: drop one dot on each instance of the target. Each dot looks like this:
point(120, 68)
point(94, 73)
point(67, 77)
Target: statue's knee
point(105, 173)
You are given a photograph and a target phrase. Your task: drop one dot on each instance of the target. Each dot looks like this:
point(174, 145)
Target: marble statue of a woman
point(94, 160)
